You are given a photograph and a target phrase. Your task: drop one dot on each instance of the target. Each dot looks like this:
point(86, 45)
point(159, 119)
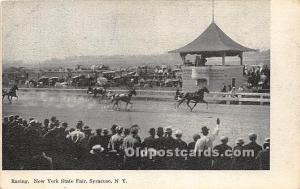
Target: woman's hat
point(97, 149)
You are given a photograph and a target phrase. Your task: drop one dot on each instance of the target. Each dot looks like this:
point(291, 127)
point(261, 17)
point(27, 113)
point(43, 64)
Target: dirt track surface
point(237, 120)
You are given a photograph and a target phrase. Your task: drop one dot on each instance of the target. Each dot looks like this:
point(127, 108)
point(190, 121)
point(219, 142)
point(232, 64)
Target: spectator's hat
point(204, 129)
point(97, 149)
point(64, 124)
point(196, 136)
point(160, 129)
point(119, 128)
point(105, 130)
point(11, 117)
point(252, 136)
point(113, 127)
point(32, 122)
point(168, 130)
point(151, 130)
point(240, 141)
point(53, 118)
point(178, 133)
point(72, 129)
point(135, 125)
point(134, 129)
point(267, 141)
point(86, 128)
point(224, 138)
point(17, 116)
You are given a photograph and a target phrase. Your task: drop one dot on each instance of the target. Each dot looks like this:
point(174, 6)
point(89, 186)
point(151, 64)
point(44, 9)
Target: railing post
point(227, 101)
point(240, 97)
point(261, 99)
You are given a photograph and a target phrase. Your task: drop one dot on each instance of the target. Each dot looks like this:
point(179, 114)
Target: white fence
point(217, 97)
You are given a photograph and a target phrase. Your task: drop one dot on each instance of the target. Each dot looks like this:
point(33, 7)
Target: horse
point(123, 97)
point(96, 91)
point(196, 97)
point(11, 93)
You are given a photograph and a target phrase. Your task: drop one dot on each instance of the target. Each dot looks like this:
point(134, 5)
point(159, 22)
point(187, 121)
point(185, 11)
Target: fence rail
point(218, 97)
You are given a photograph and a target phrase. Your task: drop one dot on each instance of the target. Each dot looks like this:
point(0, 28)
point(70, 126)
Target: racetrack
point(237, 120)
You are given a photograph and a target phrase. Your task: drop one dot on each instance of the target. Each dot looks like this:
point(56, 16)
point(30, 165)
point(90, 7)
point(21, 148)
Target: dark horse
point(11, 93)
point(123, 97)
point(97, 90)
point(196, 97)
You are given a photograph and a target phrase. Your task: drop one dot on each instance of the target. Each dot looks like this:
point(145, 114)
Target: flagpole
point(213, 11)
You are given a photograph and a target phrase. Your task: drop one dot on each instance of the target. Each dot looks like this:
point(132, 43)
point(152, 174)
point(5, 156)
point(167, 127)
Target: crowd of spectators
point(258, 76)
point(32, 145)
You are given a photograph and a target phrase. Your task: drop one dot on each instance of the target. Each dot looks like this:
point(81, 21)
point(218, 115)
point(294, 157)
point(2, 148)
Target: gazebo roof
point(212, 41)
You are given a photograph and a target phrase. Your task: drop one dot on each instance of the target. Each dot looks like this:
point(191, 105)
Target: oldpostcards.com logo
point(151, 153)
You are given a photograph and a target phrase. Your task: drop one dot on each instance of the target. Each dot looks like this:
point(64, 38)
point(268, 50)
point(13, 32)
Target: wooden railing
point(217, 97)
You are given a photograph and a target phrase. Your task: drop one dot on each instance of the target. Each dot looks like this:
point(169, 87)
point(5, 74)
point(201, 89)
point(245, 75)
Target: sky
point(36, 31)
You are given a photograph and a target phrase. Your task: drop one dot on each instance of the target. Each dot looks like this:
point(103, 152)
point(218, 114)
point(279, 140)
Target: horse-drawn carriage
point(79, 81)
point(43, 81)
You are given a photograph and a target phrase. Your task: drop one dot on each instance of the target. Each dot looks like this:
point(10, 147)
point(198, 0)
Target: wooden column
point(223, 58)
point(241, 57)
point(182, 57)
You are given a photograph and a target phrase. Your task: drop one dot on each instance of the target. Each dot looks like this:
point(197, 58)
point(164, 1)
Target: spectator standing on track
point(96, 139)
point(149, 141)
point(105, 139)
point(159, 145)
point(264, 156)
point(192, 161)
point(132, 142)
point(116, 140)
point(222, 161)
point(251, 161)
point(181, 145)
point(77, 135)
point(238, 158)
point(170, 144)
point(204, 145)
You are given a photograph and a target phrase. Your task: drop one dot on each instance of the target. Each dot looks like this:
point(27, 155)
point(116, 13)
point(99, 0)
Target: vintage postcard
point(160, 93)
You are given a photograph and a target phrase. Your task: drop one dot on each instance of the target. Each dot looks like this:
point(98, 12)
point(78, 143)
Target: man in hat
point(77, 135)
point(159, 145)
point(53, 120)
point(96, 139)
point(105, 139)
point(159, 141)
point(116, 141)
point(113, 129)
point(126, 132)
point(96, 160)
point(5, 124)
point(191, 160)
point(203, 147)
point(149, 142)
point(181, 145)
point(264, 156)
point(17, 117)
point(251, 163)
point(132, 142)
point(170, 144)
point(222, 161)
point(238, 157)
